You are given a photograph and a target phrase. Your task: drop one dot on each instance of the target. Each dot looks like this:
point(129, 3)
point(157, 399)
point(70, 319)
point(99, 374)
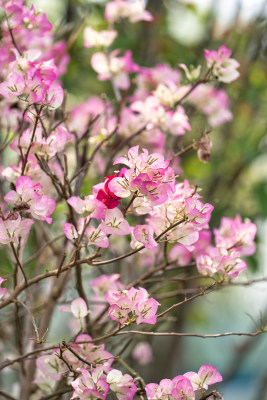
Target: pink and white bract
point(129, 306)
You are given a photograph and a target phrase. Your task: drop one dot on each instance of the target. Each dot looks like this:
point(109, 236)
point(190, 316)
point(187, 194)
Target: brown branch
point(182, 151)
point(213, 393)
point(55, 180)
point(174, 293)
point(20, 288)
point(39, 252)
point(147, 274)
point(6, 395)
point(87, 131)
point(56, 394)
point(7, 363)
point(18, 262)
point(90, 160)
point(66, 346)
point(119, 331)
point(201, 293)
point(203, 79)
point(32, 318)
point(121, 145)
point(129, 204)
point(139, 248)
point(76, 31)
point(192, 334)
point(82, 294)
point(25, 158)
point(12, 36)
point(194, 145)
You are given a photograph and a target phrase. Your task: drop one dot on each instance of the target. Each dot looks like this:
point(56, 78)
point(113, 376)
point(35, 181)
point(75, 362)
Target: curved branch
point(20, 288)
point(139, 248)
point(216, 335)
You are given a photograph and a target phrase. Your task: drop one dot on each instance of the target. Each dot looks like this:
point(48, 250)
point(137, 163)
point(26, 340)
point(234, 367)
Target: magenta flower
point(95, 354)
point(106, 196)
point(149, 177)
point(206, 265)
point(180, 254)
point(142, 352)
point(51, 366)
point(220, 260)
point(212, 102)
point(103, 283)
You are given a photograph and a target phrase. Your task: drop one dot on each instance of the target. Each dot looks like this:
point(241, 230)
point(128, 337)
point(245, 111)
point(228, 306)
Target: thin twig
point(32, 318)
point(125, 142)
point(58, 393)
point(18, 262)
point(38, 253)
point(191, 334)
point(20, 288)
point(201, 293)
point(90, 160)
point(12, 36)
point(6, 395)
point(139, 248)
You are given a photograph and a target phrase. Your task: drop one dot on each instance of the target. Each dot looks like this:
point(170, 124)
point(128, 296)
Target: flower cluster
point(223, 67)
point(29, 197)
point(53, 367)
point(174, 213)
point(183, 387)
point(129, 306)
point(96, 382)
point(233, 239)
point(148, 177)
point(30, 70)
point(95, 385)
point(34, 82)
point(46, 147)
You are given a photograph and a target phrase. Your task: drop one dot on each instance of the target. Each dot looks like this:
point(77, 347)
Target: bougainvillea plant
point(134, 213)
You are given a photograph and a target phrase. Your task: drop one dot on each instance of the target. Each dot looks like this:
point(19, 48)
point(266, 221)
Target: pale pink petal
point(79, 308)
point(70, 231)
